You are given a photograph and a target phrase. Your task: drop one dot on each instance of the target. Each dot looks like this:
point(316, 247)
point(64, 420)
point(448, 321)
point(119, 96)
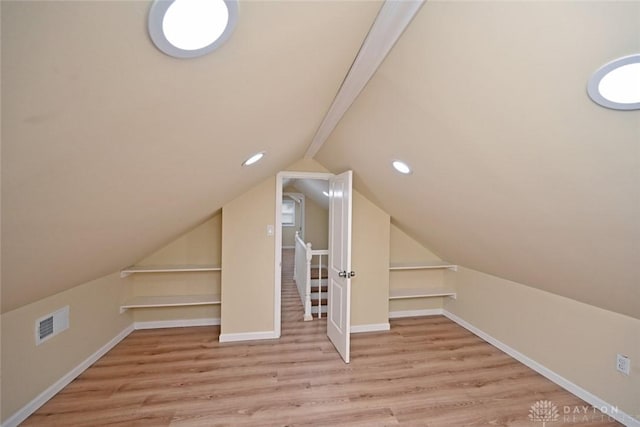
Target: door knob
point(351, 274)
point(342, 274)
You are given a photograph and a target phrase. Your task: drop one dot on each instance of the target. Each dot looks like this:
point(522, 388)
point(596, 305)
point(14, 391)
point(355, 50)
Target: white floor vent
point(51, 325)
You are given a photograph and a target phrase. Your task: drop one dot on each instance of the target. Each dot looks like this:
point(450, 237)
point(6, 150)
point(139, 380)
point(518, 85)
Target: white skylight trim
point(616, 85)
point(191, 28)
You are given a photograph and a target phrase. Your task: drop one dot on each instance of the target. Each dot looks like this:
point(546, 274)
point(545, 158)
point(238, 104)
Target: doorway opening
point(339, 273)
point(303, 192)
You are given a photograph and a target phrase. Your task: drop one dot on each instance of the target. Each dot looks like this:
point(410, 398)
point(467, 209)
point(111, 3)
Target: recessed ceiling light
point(616, 85)
point(401, 167)
point(254, 159)
point(191, 28)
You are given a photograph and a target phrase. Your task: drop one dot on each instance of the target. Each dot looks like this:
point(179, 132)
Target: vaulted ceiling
point(111, 149)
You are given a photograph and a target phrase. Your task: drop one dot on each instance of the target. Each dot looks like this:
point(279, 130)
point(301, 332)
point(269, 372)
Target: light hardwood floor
point(425, 372)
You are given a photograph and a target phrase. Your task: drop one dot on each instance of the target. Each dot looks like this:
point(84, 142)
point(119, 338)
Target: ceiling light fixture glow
point(401, 167)
point(254, 159)
point(191, 28)
point(616, 85)
point(325, 193)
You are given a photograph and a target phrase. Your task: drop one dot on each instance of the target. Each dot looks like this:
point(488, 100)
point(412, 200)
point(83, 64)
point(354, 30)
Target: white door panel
point(339, 310)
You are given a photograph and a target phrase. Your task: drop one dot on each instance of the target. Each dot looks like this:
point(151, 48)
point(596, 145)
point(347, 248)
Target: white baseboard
point(415, 313)
point(372, 327)
point(42, 398)
point(572, 388)
point(249, 336)
point(180, 323)
point(56, 387)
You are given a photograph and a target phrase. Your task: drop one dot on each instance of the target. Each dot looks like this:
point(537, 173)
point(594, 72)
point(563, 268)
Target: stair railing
point(319, 254)
point(302, 274)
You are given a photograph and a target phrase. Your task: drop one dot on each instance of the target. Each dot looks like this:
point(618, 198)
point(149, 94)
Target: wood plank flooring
point(425, 372)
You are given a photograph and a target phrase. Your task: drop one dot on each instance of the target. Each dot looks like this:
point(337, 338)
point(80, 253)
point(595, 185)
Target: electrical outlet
point(623, 364)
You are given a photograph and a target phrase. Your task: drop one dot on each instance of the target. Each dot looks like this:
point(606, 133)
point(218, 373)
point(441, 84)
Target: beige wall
point(94, 319)
point(247, 293)
point(577, 341)
point(370, 261)
point(248, 259)
point(289, 232)
point(404, 249)
point(202, 245)
point(316, 220)
point(307, 165)
point(316, 223)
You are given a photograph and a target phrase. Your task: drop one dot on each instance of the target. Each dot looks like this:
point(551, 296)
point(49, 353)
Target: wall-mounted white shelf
point(170, 301)
point(168, 269)
point(422, 266)
point(420, 293)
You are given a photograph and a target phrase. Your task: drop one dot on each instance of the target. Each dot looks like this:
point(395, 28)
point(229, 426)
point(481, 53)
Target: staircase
point(318, 290)
point(310, 276)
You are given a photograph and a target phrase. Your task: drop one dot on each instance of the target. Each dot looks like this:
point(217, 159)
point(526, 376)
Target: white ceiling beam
point(392, 20)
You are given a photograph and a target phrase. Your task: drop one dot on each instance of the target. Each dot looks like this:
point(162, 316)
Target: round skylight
point(254, 159)
point(401, 167)
point(191, 28)
point(616, 85)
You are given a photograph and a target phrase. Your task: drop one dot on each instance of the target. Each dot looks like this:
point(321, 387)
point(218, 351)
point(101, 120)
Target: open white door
point(339, 303)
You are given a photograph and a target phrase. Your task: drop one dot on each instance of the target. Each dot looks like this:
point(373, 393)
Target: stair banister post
point(320, 286)
point(295, 256)
point(307, 295)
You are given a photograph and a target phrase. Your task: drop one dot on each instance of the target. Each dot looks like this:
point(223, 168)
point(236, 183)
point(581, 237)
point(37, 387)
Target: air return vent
point(51, 325)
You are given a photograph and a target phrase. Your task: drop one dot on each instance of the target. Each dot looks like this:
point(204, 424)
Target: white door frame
point(277, 280)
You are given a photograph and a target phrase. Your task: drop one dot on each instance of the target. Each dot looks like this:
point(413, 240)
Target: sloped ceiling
point(516, 172)
point(314, 189)
point(111, 149)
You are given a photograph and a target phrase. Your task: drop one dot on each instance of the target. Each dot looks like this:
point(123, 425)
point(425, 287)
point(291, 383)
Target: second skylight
point(191, 28)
